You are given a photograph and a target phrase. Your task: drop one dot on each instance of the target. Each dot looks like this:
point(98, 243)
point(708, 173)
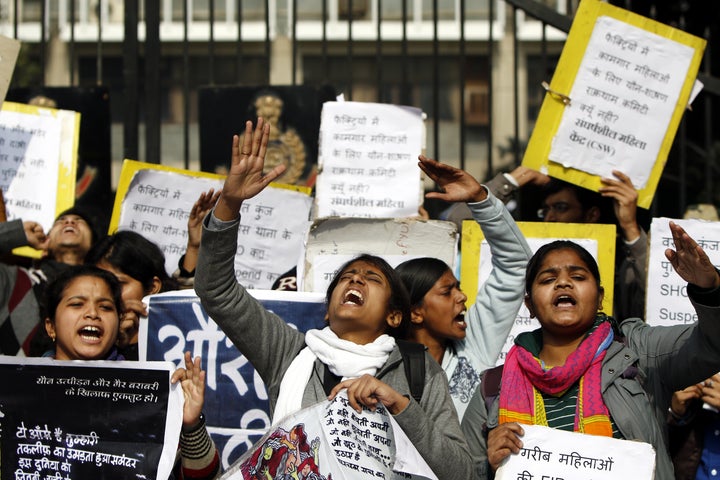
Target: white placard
point(32, 150)
point(333, 241)
point(368, 160)
point(667, 299)
point(622, 101)
point(550, 454)
point(272, 227)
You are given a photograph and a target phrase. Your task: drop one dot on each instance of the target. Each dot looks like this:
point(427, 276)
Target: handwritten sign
point(156, 202)
point(236, 400)
point(550, 454)
point(476, 266)
point(616, 99)
point(38, 155)
point(107, 420)
point(622, 101)
point(333, 241)
point(368, 160)
point(332, 441)
point(667, 298)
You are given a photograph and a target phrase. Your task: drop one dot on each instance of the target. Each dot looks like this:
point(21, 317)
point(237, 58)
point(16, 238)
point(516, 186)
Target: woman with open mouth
point(367, 307)
point(581, 372)
point(467, 342)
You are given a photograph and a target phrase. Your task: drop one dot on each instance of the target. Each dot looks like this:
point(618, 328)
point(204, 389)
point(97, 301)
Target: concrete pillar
point(57, 70)
point(281, 61)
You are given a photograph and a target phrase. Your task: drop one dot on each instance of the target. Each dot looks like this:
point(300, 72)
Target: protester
point(694, 428)
point(366, 305)
point(22, 289)
point(575, 373)
point(467, 342)
point(568, 203)
point(83, 306)
point(139, 264)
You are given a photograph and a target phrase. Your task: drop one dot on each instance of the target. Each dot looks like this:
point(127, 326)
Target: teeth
point(354, 297)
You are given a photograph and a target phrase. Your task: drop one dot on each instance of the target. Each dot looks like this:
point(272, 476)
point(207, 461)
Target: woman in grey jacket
point(365, 302)
point(571, 375)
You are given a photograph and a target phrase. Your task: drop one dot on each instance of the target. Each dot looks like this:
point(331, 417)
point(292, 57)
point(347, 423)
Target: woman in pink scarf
point(582, 372)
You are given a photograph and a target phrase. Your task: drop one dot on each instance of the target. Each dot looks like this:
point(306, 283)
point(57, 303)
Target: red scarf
point(524, 379)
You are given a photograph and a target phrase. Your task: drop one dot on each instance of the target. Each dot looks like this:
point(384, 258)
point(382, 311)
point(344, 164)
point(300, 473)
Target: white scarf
point(344, 358)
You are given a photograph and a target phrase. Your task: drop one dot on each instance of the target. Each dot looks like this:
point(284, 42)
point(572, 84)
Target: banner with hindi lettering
point(155, 201)
point(77, 420)
point(236, 401)
point(667, 300)
point(549, 453)
point(331, 441)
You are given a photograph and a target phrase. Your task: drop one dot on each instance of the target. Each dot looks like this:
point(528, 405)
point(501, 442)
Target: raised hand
point(35, 235)
point(625, 198)
point(457, 185)
point(690, 261)
point(192, 381)
point(245, 178)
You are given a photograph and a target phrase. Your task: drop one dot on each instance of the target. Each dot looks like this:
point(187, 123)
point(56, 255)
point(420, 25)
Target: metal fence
point(474, 67)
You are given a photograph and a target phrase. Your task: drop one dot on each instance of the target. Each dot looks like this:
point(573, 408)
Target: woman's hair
point(55, 289)
point(134, 255)
point(536, 261)
point(399, 300)
point(419, 275)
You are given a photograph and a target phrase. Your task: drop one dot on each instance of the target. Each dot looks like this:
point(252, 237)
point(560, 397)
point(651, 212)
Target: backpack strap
point(490, 384)
point(413, 355)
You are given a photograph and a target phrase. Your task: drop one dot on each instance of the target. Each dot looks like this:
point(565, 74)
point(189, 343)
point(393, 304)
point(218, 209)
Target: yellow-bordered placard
point(67, 158)
point(551, 113)
point(131, 167)
point(603, 234)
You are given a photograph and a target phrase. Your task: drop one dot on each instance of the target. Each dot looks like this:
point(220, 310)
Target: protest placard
point(368, 160)
point(667, 300)
point(331, 441)
point(155, 201)
point(236, 401)
point(333, 241)
point(87, 419)
point(476, 265)
point(616, 99)
point(550, 454)
point(38, 158)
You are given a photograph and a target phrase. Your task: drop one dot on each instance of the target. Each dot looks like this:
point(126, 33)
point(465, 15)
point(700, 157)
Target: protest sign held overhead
point(331, 441)
point(155, 201)
point(616, 99)
point(38, 158)
point(368, 160)
point(107, 419)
